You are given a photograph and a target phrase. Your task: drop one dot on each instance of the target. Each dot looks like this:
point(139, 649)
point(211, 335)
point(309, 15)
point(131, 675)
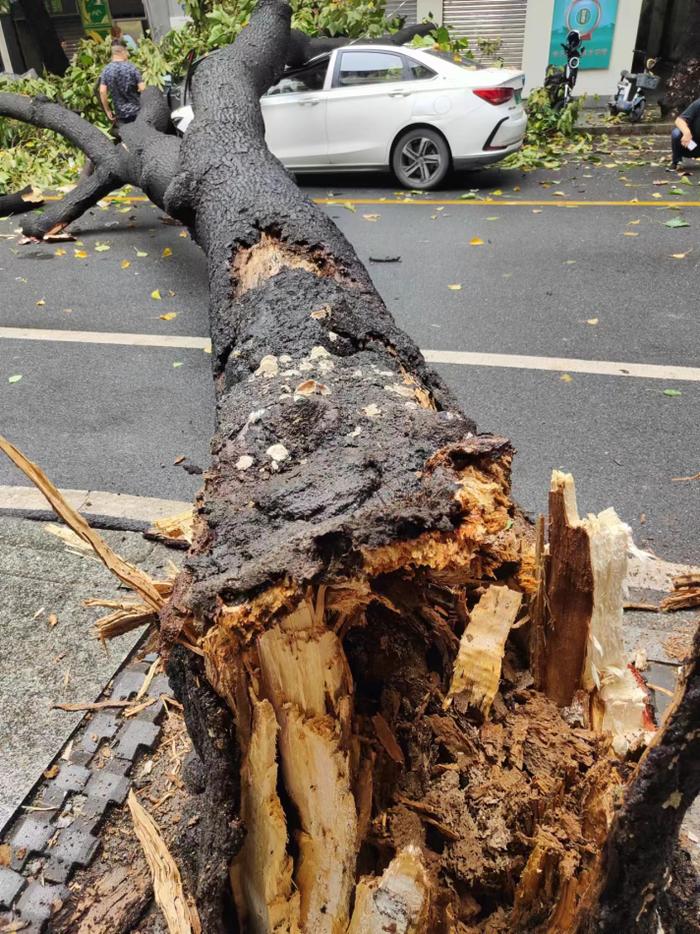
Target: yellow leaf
point(155, 294)
point(80, 254)
point(656, 195)
point(516, 187)
point(537, 210)
point(631, 233)
point(167, 252)
point(140, 253)
point(183, 234)
point(455, 288)
point(560, 194)
point(102, 248)
point(125, 264)
point(42, 301)
point(124, 210)
point(476, 241)
point(591, 321)
point(59, 252)
point(680, 255)
point(169, 316)
point(207, 349)
point(373, 218)
point(633, 223)
point(565, 378)
point(496, 192)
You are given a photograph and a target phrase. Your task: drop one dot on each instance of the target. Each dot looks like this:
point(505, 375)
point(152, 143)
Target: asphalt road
point(555, 277)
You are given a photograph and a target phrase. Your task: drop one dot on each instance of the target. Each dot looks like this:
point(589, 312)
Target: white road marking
point(565, 364)
point(94, 502)
point(458, 357)
point(106, 337)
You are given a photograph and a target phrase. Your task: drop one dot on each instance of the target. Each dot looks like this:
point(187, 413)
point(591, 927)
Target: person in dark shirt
point(685, 136)
point(121, 81)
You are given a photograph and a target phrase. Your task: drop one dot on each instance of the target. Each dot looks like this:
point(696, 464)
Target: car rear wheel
point(421, 159)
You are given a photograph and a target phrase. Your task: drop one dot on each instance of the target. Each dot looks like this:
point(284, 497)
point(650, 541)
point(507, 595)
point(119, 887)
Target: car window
point(311, 78)
point(369, 68)
point(457, 59)
point(419, 71)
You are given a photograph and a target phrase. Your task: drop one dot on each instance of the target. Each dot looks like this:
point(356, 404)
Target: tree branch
point(42, 112)
point(76, 202)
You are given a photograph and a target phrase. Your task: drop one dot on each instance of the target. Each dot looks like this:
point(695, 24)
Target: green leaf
point(176, 364)
point(677, 222)
point(15, 378)
point(675, 191)
point(672, 392)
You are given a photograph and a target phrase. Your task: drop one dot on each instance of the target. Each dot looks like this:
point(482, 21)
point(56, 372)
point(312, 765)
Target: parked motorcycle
point(630, 99)
point(560, 82)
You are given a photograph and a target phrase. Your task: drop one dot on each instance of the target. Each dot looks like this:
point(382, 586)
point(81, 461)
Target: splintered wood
point(585, 573)
point(398, 901)
point(685, 596)
point(477, 671)
point(180, 914)
point(131, 576)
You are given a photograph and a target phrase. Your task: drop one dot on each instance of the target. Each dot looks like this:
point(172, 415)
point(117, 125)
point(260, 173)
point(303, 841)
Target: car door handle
point(399, 93)
point(311, 102)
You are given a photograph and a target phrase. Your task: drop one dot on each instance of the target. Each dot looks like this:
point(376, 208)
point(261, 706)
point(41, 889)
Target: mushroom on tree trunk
point(411, 716)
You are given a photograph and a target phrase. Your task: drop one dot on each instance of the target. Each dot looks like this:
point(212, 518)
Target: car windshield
point(462, 60)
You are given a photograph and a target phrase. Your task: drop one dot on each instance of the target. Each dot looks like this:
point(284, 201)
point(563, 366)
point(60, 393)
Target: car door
point(294, 111)
point(370, 101)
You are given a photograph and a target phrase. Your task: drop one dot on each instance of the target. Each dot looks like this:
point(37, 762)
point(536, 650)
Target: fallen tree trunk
point(373, 670)
point(19, 202)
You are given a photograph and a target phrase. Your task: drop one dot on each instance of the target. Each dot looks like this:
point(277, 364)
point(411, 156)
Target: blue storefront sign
point(595, 20)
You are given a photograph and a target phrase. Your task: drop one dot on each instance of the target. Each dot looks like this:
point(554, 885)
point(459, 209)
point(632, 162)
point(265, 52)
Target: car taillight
point(495, 96)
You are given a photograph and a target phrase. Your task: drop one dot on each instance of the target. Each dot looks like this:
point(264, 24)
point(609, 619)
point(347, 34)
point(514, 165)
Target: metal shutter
point(490, 19)
point(405, 8)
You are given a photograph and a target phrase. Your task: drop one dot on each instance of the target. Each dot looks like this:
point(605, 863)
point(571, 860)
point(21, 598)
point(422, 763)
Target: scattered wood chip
point(387, 739)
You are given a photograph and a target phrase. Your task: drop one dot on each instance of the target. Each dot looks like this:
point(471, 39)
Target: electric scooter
point(629, 98)
point(560, 82)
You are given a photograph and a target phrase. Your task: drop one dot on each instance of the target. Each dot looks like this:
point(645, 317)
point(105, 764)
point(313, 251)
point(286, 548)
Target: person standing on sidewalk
point(685, 136)
point(121, 81)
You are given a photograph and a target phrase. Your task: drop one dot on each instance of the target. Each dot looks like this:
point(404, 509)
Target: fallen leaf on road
point(155, 294)
point(675, 191)
point(656, 195)
point(569, 262)
point(183, 233)
point(559, 194)
point(169, 316)
point(15, 378)
point(80, 254)
point(52, 620)
point(373, 218)
point(496, 192)
point(681, 255)
point(125, 264)
point(59, 252)
point(42, 301)
point(630, 233)
point(140, 253)
point(102, 248)
point(685, 180)
point(660, 181)
point(537, 210)
point(124, 210)
point(566, 378)
point(493, 218)
point(468, 196)
point(672, 392)
point(351, 207)
point(591, 320)
point(166, 252)
point(176, 364)
point(476, 241)
point(677, 222)
point(516, 188)
point(454, 288)
point(633, 223)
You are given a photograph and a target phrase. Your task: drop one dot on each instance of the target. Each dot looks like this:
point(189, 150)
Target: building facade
point(530, 30)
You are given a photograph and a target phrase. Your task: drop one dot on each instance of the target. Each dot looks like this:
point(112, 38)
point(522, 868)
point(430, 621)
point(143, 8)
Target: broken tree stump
point(350, 525)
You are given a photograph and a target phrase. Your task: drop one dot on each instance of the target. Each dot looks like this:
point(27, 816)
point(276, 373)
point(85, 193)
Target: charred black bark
point(217, 833)
point(52, 55)
point(19, 202)
point(640, 847)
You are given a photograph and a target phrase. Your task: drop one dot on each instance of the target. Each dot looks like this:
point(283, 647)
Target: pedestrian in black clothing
point(685, 136)
point(121, 81)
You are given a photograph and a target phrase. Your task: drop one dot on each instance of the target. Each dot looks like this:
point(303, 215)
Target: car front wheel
point(421, 159)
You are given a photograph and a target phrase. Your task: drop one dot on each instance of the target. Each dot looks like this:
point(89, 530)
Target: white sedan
point(373, 107)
